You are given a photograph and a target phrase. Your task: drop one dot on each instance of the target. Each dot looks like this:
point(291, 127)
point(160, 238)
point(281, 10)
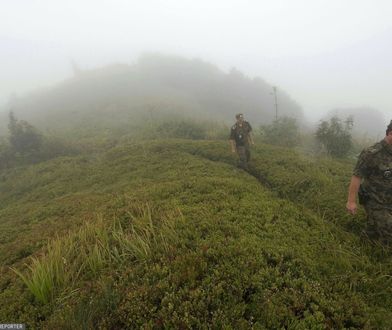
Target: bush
point(185, 129)
point(6, 155)
point(283, 132)
point(334, 135)
point(23, 137)
point(25, 145)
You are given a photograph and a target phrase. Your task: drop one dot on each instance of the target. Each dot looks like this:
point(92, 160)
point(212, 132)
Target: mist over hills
point(368, 122)
point(112, 95)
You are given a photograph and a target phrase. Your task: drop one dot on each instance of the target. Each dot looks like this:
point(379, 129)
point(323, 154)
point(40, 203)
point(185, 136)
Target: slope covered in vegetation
point(170, 233)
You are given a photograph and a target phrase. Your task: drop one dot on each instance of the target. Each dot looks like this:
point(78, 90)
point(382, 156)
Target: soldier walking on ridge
point(240, 139)
point(372, 181)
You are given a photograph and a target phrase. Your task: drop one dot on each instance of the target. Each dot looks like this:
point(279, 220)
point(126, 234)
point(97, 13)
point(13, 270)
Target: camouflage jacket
point(374, 166)
point(240, 133)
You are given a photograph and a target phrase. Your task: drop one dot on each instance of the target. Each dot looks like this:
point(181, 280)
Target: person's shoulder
point(234, 126)
point(375, 148)
point(372, 150)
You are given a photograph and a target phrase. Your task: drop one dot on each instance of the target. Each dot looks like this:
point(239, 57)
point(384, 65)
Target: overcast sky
point(325, 54)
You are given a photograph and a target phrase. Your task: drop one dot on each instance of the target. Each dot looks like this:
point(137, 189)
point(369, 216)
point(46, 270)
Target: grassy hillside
point(171, 234)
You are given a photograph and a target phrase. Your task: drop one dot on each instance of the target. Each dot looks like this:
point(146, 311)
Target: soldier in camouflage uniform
point(372, 181)
point(240, 139)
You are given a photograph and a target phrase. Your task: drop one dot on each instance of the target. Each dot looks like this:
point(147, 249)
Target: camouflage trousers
point(379, 226)
point(244, 156)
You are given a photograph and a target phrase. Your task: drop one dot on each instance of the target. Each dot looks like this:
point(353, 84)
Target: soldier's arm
point(250, 135)
point(232, 143)
point(250, 138)
point(360, 171)
point(351, 205)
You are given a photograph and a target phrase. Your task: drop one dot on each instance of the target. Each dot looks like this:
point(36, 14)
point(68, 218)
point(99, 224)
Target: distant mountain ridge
point(156, 83)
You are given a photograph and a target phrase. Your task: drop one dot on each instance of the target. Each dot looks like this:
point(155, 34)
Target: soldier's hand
point(233, 151)
point(351, 207)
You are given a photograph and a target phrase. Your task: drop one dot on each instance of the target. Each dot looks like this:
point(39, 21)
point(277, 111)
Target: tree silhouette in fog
point(23, 137)
point(335, 136)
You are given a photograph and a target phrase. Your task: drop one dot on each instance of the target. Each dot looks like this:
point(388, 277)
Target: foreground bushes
point(236, 255)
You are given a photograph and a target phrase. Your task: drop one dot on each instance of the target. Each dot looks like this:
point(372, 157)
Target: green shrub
point(283, 131)
point(26, 145)
point(185, 129)
point(335, 136)
point(23, 137)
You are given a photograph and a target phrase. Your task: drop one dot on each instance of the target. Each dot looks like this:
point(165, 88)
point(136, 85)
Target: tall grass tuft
point(47, 274)
point(86, 252)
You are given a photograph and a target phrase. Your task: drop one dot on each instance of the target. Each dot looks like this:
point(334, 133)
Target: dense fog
point(323, 56)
